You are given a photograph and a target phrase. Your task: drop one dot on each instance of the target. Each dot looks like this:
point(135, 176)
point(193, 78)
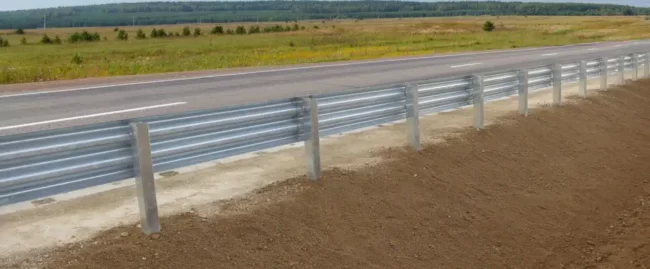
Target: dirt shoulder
point(563, 188)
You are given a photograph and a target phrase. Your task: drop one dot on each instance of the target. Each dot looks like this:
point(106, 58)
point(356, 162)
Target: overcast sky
point(30, 4)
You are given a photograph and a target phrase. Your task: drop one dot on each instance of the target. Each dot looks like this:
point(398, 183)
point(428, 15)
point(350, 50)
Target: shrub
point(217, 30)
point(291, 44)
point(116, 29)
point(46, 39)
point(254, 30)
point(287, 28)
point(57, 40)
point(154, 33)
point(240, 30)
point(186, 31)
point(274, 28)
point(5, 43)
point(122, 35)
point(176, 34)
point(230, 32)
point(140, 34)
point(76, 59)
point(23, 41)
point(488, 26)
point(295, 27)
point(84, 36)
point(316, 27)
point(197, 32)
point(20, 31)
point(162, 33)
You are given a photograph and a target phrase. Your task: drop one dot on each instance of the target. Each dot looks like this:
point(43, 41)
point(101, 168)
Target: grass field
point(330, 41)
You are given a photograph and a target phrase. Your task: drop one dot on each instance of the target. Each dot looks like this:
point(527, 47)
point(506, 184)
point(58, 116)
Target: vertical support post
point(479, 101)
point(621, 69)
point(413, 116)
point(144, 180)
point(523, 92)
point(635, 66)
point(603, 74)
point(557, 84)
point(582, 76)
point(646, 65)
point(312, 138)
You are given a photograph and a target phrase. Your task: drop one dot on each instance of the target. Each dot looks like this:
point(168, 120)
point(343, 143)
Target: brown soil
point(563, 188)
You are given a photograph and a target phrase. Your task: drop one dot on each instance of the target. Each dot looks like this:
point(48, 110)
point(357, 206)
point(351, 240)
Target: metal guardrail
point(40, 164)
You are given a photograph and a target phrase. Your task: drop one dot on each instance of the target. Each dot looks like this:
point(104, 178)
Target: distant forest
point(154, 13)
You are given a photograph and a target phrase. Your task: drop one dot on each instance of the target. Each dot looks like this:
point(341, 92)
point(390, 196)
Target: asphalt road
point(49, 108)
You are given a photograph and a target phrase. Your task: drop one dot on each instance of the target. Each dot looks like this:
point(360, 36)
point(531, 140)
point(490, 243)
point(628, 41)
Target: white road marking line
point(282, 70)
point(593, 49)
point(549, 54)
point(91, 115)
point(464, 65)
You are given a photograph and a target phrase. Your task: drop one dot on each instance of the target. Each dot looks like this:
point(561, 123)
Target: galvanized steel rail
point(40, 164)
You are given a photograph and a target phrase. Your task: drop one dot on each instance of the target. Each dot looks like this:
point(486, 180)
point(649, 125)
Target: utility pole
point(44, 21)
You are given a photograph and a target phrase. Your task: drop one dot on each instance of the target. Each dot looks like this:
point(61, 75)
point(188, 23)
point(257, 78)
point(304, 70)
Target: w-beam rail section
point(40, 164)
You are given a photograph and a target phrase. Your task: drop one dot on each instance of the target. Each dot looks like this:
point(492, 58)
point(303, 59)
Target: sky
point(31, 4)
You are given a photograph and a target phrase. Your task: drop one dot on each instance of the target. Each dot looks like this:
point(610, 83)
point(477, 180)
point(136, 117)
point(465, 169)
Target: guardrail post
point(479, 101)
point(646, 65)
point(413, 116)
point(557, 84)
point(603, 74)
point(582, 76)
point(621, 69)
point(635, 66)
point(312, 137)
point(523, 92)
point(144, 180)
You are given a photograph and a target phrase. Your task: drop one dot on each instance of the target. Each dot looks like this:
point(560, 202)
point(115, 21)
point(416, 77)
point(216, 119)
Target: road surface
point(49, 108)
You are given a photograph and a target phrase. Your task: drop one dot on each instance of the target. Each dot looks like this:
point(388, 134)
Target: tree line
point(155, 13)
point(121, 34)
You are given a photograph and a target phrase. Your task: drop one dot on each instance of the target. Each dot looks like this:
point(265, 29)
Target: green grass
point(333, 41)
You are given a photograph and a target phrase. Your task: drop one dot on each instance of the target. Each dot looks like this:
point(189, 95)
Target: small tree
point(197, 32)
point(287, 28)
point(230, 32)
point(46, 40)
point(254, 29)
point(140, 34)
point(240, 30)
point(122, 35)
point(23, 41)
point(295, 27)
point(154, 33)
point(162, 33)
point(116, 29)
point(177, 34)
point(186, 31)
point(217, 30)
point(20, 31)
point(5, 43)
point(57, 40)
point(488, 26)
